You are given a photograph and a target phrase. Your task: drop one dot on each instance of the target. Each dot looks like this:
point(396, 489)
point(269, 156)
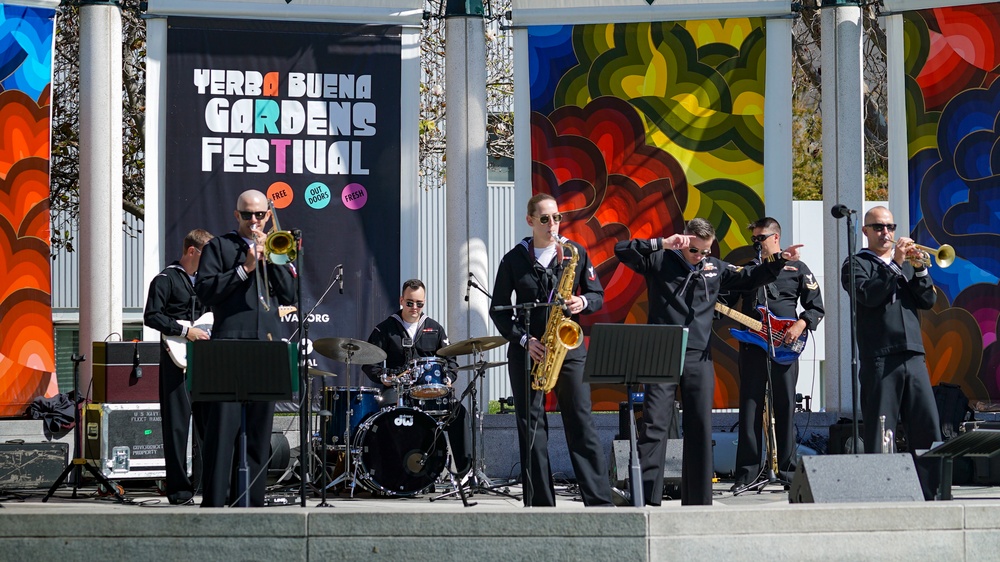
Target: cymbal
point(348, 350)
point(472, 345)
point(483, 366)
point(318, 373)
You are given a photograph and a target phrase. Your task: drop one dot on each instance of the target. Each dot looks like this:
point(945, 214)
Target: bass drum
point(403, 450)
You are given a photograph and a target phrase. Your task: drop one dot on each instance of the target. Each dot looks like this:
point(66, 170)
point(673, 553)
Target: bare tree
point(65, 165)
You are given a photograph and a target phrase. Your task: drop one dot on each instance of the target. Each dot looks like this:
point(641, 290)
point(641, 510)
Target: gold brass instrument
point(944, 256)
point(561, 333)
point(279, 249)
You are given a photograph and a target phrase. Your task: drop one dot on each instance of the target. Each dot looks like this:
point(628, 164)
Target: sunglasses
point(761, 237)
point(880, 227)
point(697, 251)
point(411, 304)
point(245, 215)
point(544, 219)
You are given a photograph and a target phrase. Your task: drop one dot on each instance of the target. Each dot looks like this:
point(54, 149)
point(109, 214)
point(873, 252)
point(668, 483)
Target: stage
point(749, 527)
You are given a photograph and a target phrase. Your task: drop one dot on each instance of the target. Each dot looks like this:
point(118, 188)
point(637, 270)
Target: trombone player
point(230, 283)
point(892, 285)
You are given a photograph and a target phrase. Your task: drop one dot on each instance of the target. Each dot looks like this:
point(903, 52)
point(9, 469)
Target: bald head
point(876, 213)
point(249, 197)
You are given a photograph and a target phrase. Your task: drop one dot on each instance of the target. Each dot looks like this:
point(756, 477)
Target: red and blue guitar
point(784, 353)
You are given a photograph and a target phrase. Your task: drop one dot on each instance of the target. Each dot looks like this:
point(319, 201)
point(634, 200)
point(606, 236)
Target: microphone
point(758, 247)
point(840, 211)
point(136, 369)
point(341, 288)
point(468, 285)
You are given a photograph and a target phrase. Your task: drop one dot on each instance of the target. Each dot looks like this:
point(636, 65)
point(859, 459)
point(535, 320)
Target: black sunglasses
point(245, 215)
point(878, 227)
point(544, 219)
point(761, 237)
point(697, 251)
point(411, 304)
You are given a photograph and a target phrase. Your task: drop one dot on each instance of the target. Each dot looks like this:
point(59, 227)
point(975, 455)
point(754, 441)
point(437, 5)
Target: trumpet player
point(892, 284)
point(228, 283)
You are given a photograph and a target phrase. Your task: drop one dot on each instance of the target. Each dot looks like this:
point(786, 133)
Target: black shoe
point(737, 486)
point(181, 498)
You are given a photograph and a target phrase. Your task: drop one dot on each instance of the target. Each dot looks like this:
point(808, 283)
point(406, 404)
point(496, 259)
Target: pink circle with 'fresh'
point(354, 196)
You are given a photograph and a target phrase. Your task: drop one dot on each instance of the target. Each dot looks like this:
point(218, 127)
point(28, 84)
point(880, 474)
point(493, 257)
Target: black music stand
point(635, 353)
point(242, 371)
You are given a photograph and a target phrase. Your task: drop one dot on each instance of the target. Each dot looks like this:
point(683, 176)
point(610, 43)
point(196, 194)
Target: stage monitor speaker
point(618, 467)
point(855, 478)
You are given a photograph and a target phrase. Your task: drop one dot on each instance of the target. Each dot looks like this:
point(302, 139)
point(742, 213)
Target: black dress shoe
point(181, 498)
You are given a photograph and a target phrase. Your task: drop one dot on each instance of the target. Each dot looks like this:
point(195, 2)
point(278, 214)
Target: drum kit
point(400, 449)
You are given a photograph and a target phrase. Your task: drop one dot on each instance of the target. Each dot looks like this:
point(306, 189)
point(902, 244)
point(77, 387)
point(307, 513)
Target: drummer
point(407, 335)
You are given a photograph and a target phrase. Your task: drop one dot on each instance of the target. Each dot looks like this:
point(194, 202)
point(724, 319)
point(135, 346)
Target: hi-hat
point(348, 350)
point(472, 345)
point(483, 366)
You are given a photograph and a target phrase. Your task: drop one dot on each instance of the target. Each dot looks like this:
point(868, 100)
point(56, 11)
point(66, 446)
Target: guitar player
point(795, 285)
point(172, 298)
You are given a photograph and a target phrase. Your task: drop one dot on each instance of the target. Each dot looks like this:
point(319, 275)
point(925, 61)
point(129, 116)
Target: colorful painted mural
point(952, 62)
point(27, 361)
point(636, 128)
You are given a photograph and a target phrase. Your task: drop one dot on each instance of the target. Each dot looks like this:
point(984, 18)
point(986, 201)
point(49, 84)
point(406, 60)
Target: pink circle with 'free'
point(354, 196)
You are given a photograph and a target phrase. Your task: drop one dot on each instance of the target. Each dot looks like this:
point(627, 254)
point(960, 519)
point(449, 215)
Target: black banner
point(309, 114)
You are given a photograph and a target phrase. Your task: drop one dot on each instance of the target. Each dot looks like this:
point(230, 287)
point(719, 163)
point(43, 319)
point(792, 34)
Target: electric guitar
point(177, 345)
point(784, 353)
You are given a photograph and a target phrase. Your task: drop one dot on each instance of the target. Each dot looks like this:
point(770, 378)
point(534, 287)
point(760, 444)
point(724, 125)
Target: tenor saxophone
point(561, 333)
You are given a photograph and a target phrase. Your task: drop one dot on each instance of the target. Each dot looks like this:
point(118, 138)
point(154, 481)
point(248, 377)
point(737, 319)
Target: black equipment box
point(126, 372)
point(981, 469)
point(125, 441)
point(31, 465)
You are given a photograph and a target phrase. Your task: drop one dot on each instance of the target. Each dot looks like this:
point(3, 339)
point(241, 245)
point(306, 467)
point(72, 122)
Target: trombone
point(279, 249)
point(943, 256)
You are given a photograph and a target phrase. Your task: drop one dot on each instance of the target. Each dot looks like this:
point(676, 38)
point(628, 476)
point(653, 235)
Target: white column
point(778, 127)
point(899, 188)
point(843, 182)
point(156, 154)
point(100, 179)
point(467, 198)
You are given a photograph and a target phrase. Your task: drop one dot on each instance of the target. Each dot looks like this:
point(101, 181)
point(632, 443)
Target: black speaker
point(618, 467)
point(855, 478)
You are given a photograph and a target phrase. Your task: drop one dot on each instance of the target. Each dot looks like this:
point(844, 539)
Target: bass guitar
point(177, 345)
point(783, 353)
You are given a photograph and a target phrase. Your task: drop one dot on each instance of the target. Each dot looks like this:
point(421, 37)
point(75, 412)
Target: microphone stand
point(523, 312)
point(856, 445)
point(770, 442)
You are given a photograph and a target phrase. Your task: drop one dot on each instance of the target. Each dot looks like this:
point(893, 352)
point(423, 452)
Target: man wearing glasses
point(227, 283)
point(172, 298)
point(795, 284)
point(410, 334)
point(683, 282)
point(891, 287)
point(531, 271)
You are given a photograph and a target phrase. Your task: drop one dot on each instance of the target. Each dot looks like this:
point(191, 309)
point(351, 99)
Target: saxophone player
point(532, 271)
point(683, 282)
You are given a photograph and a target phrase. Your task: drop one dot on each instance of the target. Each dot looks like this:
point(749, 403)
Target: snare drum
point(402, 452)
point(431, 378)
point(348, 413)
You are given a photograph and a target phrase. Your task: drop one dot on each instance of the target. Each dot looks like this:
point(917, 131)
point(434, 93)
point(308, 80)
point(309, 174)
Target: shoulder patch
point(811, 282)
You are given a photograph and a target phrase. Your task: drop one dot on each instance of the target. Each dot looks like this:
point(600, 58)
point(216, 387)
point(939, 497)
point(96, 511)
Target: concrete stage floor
point(748, 527)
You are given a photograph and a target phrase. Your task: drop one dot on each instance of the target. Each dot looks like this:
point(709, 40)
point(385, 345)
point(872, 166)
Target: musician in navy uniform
point(172, 298)
point(683, 282)
point(532, 271)
point(410, 334)
point(228, 283)
point(795, 285)
point(892, 286)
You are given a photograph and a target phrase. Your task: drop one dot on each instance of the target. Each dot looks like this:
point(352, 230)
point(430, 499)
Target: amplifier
point(31, 465)
point(126, 372)
point(125, 440)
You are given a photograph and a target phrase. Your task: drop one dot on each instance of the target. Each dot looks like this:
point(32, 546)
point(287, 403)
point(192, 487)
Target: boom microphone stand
point(770, 442)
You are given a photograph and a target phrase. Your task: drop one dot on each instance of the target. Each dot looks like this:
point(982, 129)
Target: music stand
point(635, 353)
point(242, 371)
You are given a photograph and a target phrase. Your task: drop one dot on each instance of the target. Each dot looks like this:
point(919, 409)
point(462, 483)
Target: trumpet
point(943, 256)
